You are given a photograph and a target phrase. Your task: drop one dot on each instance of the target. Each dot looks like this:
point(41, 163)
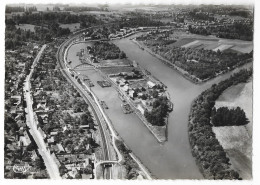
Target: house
point(60, 148)
point(25, 139)
point(51, 140)
point(53, 133)
point(150, 84)
point(132, 94)
point(17, 98)
point(84, 126)
point(140, 94)
point(140, 108)
point(125, 88)
point(21, 124)
point(121, 84)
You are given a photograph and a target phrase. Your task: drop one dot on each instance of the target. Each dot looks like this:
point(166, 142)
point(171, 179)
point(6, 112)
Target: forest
point(208, 152)
point(224, 116)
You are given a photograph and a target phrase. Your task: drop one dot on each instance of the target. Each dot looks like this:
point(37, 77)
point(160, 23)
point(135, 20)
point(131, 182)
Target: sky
point(138, 1)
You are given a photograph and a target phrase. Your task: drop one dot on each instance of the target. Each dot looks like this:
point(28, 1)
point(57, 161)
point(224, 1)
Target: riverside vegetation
point(209, 154)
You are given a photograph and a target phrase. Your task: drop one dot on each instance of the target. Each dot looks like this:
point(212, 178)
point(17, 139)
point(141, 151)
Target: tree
point(122, 55)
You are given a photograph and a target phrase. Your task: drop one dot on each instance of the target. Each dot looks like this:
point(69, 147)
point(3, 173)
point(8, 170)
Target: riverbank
point(184, 73)
point(113, 134)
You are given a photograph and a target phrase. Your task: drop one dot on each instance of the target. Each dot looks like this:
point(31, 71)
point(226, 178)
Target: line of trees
point(130, 165)
point(208, 152)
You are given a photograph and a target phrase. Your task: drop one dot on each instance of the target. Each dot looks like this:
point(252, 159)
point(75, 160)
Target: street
point(49, 162)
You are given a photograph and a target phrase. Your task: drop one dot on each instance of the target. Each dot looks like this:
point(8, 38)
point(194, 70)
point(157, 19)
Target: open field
point(237, 140)
point(210, 42)
point(114, 70)
point(26, 27)
point(183, 41)
point(240, 95)
point(115, 62)
point(73, 27)
point(215, 45)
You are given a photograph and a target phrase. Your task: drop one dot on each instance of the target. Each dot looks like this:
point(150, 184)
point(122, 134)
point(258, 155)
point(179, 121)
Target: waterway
point(173, 159)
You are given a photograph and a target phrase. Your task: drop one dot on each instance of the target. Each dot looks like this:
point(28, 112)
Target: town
point(127, 91)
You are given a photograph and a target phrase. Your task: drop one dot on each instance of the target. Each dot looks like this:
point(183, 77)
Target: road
point(49, 162)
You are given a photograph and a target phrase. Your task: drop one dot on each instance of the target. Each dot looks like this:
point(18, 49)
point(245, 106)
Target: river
point(173, 159)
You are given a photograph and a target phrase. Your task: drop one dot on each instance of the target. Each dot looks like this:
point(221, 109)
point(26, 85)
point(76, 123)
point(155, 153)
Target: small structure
point(150, 84)
point(140, 108)
point(132, 94)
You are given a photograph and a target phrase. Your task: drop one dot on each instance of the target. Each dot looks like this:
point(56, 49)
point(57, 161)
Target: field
point(26, 27)
point(215, 45)
point(237, 140)
point(183, 41)
point(73, 27)
point(115, 62)
point(115, 70)
point(210, 43)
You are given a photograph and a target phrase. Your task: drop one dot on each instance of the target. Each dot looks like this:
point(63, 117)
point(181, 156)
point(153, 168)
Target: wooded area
point(224, 116)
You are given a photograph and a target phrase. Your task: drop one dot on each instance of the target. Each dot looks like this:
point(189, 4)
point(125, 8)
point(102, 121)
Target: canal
point(173, 159)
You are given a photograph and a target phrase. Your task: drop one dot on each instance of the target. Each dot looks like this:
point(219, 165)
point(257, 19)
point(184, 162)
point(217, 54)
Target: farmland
point(237, 140)
point(215, 44)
